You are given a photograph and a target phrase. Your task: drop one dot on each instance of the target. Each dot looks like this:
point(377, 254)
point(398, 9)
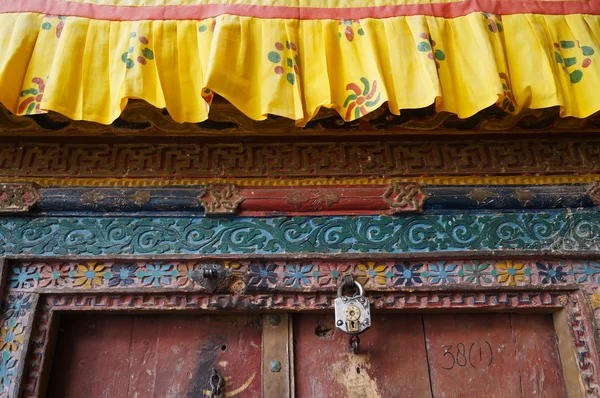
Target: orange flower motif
point(359, 101)
point(89, 275)
point(373, 271)
point(511, 273)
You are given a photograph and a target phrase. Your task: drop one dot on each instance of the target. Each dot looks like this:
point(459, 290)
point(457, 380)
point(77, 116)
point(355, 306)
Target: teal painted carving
point(560, 231)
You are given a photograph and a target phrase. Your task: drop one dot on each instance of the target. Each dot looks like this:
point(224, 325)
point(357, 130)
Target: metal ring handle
point(361, 291)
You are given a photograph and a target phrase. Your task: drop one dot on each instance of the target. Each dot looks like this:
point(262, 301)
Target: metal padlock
point(352, 314)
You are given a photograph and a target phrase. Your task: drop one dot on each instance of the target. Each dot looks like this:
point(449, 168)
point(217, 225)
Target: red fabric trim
point(197, 12)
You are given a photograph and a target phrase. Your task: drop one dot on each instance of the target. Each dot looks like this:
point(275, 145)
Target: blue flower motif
point(551, 274)
point(585, 271)
point(122, 275)
point(7, 368)
point(441, 273)
point(408, 274)
point(22, 278)
point(297, 275)
point(261, 275)
point(156, 275)
point(17, 305)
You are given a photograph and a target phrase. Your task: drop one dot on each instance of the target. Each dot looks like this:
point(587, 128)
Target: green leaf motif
point(576, 76)
point(202, 28)
point(567, 44)
point(587, 50)
point(439, 55)
point(148, 54)
point(291, 78)
point(570, 61)
point(274, 57)
point(558, 57)
point(424, 47)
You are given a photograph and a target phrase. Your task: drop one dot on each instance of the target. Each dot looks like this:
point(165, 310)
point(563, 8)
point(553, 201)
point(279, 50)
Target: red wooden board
point(539, 359)
point(155, 356)
point(392, 361)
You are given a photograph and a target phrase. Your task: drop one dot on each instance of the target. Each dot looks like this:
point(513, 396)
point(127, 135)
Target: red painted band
point(198, 12)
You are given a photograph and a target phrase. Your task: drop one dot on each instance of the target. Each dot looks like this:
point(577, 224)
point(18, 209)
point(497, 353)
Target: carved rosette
point(18, 198)
point(405, 197)
point(221, 199)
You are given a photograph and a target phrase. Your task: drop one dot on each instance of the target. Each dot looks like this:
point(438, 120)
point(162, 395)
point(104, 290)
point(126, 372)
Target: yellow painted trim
point(272, 182)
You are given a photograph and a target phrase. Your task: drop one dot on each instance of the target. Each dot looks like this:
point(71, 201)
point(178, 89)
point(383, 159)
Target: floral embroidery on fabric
point(508, 102)
point(346, 27)
point(494, 22)
point(32, 97)
point(290, 63)
point(48, 25)
point(145, 54)
point(210, 23)
point(360, 100)
point(428, 46)
point(568, 54)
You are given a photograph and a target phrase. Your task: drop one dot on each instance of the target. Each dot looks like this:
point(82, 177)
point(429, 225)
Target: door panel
point(392, 363)
point(472, 355)
point(155, 356)
point(538, 355)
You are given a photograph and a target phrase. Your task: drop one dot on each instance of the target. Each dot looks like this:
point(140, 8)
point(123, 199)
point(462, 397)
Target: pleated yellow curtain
point(86, 58)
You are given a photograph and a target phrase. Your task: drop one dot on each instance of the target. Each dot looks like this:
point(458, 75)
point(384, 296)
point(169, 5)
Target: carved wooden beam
point(18, 197)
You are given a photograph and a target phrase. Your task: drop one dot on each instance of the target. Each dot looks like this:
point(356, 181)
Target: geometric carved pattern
point(557, 230)
point(221, 199)
point(405, 197)
point(312, 159)
point(594, 192)
point(15, 198)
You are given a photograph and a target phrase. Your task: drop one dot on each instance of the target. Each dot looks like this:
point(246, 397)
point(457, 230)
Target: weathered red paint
point(156, 356)
point(488, 355)
point(392, 361)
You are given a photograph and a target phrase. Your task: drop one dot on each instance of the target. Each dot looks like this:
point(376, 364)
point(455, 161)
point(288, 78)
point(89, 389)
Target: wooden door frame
point(31, 311)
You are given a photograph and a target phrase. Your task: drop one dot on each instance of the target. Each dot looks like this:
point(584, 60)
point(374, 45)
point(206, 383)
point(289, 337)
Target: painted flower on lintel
point(261, 275)
point(551, 274)
point(475, 273)
point(373, 271)
point(441, 273)
point(329, 274)
point(8, 366)
point(408, 275)
point(359, 101)
point(122, 275)
point(91, 274)
point(12, 337)
point(53, 275)
point(511, 273)
point(17, 305)
point(156, 274)
point(297, 275)
point(22, 278)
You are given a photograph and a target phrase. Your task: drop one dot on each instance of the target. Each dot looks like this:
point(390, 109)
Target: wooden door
point(155, 356)
point(450, 356)
point(477, 355)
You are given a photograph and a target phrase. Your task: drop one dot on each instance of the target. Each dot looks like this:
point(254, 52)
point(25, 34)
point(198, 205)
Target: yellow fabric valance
point(86, 58)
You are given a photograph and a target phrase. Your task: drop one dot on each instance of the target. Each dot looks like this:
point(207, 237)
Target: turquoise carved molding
point(559, 231)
